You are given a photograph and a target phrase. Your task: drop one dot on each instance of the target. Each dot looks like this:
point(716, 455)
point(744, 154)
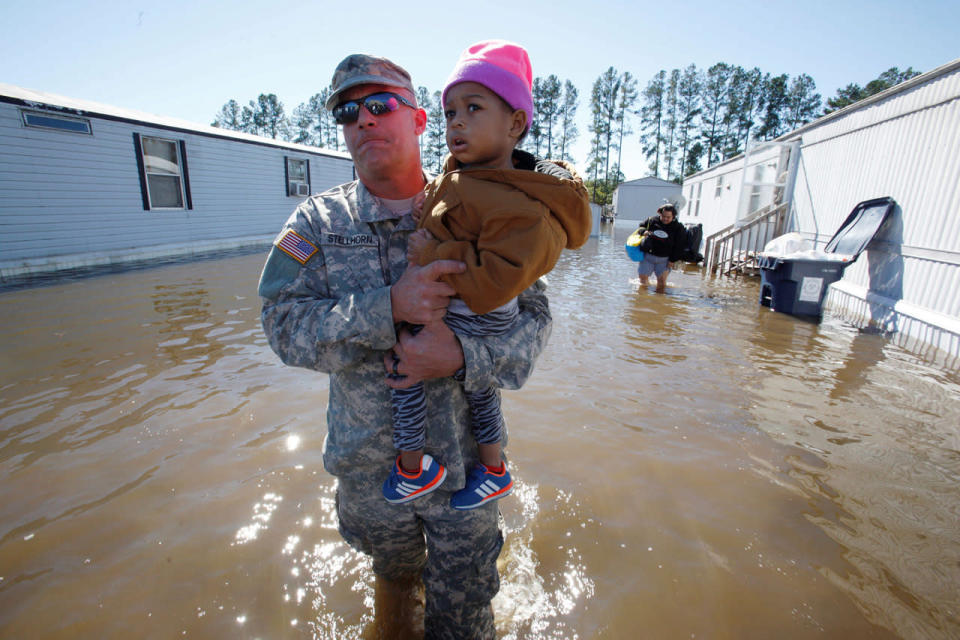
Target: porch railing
point(735, 250)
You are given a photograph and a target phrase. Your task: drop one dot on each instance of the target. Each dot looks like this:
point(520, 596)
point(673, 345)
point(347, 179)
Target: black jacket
point(672, 246)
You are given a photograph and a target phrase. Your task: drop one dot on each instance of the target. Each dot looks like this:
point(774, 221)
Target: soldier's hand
point(418, 297)
point(434, 352)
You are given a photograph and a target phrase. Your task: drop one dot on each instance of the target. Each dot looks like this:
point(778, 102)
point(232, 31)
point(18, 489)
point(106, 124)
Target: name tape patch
point(356, 240)
point(296, 247)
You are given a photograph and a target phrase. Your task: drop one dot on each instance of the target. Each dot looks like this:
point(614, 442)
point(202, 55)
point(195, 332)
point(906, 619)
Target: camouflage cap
point(361, 68)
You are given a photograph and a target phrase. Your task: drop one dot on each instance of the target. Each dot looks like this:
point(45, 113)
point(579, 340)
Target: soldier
point(335, 284)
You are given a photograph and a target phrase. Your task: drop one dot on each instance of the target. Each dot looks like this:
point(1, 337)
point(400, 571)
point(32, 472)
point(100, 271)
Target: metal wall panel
point(906, 147)
point(66, 194)
point(639, 202)
point(903, 143)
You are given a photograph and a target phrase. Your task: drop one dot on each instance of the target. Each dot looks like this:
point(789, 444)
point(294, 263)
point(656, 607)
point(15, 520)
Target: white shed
point(85, 185)
point(640, 199)
point(900, 143)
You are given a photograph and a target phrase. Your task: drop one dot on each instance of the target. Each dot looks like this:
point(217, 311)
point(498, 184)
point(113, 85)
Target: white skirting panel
point(25, 269)
point(933, 336)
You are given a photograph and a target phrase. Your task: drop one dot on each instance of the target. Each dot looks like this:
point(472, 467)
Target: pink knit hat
point(502, 67)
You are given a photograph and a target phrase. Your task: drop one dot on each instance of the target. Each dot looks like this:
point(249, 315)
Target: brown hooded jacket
point(508, 225)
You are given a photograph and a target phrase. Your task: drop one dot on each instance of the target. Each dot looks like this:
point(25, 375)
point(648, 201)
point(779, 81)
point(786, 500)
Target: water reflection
point(657, 328)
point(185, 312)
point(872, 437)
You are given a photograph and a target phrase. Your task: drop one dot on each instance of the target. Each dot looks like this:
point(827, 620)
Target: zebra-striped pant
point(486, 419)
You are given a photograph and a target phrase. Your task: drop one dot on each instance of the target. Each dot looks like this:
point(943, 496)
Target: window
point(756, 188)
point(164, 183)
point(298, 176)
point(719, 191)
point(696, 206)
point(45, 120)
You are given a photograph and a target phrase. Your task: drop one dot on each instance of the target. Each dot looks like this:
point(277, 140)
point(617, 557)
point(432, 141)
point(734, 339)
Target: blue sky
point(186, 59)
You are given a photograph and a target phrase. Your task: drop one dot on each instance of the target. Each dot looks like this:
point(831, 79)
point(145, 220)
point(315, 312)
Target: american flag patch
point(296, 247)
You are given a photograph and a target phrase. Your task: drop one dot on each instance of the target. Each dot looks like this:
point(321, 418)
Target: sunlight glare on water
point(531, 599)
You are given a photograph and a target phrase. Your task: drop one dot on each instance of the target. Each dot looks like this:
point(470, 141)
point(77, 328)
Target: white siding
point(714, 212)
point(903, 143)
point(64, 194)
point(639, 199)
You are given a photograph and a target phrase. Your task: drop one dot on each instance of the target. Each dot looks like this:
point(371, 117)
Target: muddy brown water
point(690, 465)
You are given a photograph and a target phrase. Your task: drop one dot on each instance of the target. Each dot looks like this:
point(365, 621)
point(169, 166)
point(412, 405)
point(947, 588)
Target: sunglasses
point(376, 103)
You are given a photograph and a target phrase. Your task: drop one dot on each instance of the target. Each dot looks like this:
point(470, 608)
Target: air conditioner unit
point(303, 189)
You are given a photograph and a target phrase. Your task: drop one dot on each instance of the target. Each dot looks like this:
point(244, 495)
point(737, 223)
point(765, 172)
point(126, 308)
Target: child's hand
point(417, 244)
point(418, 206)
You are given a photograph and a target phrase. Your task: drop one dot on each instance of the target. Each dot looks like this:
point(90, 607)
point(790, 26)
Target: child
point(508, 217)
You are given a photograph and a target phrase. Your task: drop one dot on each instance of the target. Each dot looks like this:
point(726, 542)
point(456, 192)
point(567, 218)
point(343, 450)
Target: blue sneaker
point(483, 486)
point(404, 487)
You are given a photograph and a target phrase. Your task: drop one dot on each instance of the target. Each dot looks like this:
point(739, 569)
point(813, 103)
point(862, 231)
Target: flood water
point(690, 465)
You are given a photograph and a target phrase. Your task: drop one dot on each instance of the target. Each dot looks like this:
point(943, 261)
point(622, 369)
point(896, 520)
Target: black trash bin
point(798, 285)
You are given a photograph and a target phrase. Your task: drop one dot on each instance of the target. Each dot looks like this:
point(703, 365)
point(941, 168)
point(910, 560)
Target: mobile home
point(85, 185)
point(640, 199)
point(902, 143)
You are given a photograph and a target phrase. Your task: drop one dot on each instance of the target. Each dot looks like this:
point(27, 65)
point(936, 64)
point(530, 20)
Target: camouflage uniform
point(326, 290)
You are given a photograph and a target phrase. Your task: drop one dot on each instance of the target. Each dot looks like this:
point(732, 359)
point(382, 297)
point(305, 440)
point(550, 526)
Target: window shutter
point(141, 171)
point(308, 176)
point(186, 174)
point(286, 176)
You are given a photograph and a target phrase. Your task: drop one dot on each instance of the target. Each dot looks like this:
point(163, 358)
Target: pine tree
point(626, 99)
point(603, 105)
point(688, 111)
point(436, 134)
point(265, 117)
point(272, 120)
point(248, 119)
point(534, 135)
point(694, 154)
point(670, 121)
point(775, 99)
point(803, 102)
point(651, 120)
point(229, 117)
point(303, 125)
point(550, 109)
point(567, 120)
point(327, 129)
point(423, 101)
point(595, 155)
point(715, 97)
point(889, 78)
point(845, 97)
point(854, 93)
point(746, 100)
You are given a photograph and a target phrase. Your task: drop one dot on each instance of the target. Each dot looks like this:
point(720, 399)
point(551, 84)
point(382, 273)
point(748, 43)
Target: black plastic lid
point(860, 227)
